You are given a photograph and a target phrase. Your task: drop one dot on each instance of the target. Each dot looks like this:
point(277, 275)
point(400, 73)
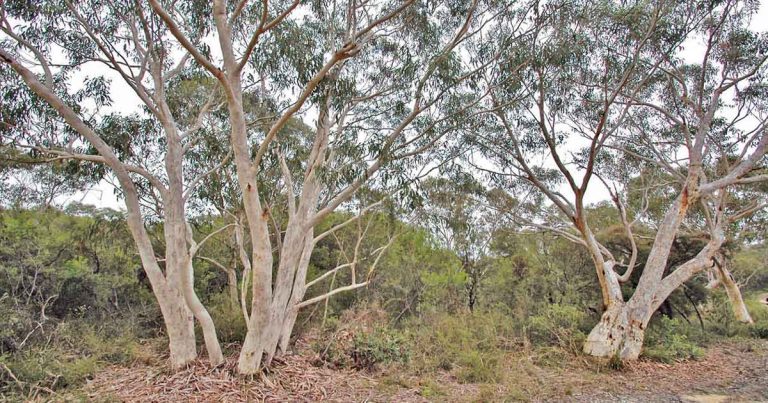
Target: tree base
point(617, 334)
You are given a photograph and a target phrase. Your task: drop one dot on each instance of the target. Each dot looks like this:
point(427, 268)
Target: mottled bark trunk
point(621, 329)
point(299, 290)
point(179, 263)
point(167, 287)
point(622, 326)
point(286, 330)
point(270, 332)
point(249, 361)
point(619, 333)
point(177, 254)
point(288, 276)
point(610, 288)
point(270, 303)
point(289, 290)
point(212, 346)
point(178, 318)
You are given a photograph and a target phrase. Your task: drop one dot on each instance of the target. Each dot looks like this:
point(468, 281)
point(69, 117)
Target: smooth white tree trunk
point(179, 326)
point(177, 245)
point(273, 311)
point(249, 361)
point(734, 294)
point(270, 327)
point(167, 287)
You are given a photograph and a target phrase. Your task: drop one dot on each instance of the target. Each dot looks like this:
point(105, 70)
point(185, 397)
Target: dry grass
point(733, 369)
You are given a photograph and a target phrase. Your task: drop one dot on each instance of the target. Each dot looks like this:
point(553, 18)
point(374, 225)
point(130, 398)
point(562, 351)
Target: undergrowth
point(71, 353)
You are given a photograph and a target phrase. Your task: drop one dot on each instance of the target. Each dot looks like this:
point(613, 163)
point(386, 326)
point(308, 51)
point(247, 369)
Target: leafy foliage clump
point(560, 325)
point(381, 346)
point(676, 347)
point(228, 317)
point(70, 298)
point(671, 340)
point(720, 321)
point(472, 346)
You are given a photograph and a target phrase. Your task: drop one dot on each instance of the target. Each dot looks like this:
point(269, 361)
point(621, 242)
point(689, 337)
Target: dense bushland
point(73, 300)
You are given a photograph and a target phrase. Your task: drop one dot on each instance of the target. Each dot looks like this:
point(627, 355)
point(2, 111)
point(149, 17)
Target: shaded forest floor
point(729, 371)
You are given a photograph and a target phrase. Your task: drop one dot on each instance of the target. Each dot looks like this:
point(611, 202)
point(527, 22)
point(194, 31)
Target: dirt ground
point(734, 372)
point(729, 372)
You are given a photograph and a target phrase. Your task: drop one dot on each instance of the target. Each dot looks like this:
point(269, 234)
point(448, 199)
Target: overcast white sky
point(126, 101)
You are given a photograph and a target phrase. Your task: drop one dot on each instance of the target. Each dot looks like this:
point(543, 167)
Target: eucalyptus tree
point(604, 90)
point(456, 213)
point(712, 110)
point(386, 81)
point(47, 47)
point(219, 201)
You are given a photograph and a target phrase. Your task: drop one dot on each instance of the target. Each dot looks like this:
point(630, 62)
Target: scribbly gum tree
point(599, 101)
point(704, 122)
point(384, 82)
point(45, 46)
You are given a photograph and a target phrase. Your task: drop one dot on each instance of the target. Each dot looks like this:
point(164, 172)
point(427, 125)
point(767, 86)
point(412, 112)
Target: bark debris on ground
point(729, 372)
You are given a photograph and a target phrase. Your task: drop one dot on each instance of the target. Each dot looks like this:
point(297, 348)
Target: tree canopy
point(310, 152)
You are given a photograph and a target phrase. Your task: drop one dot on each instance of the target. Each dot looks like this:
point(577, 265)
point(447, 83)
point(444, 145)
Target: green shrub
point(759, 313)
point(668, 340)
point(15, 325)
point(115, 343)
point(330, 353)
point(721, 321)
point(228, 318)
point(471, 345)
point(759, 330)
point(661, 327)
point(361, 349)
point(47, 368)
point(676, 348)
point(77, 297)
point(719, 317)
point(77, 349)
point(558, 325)
point(359, 339)
point(378, 347)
